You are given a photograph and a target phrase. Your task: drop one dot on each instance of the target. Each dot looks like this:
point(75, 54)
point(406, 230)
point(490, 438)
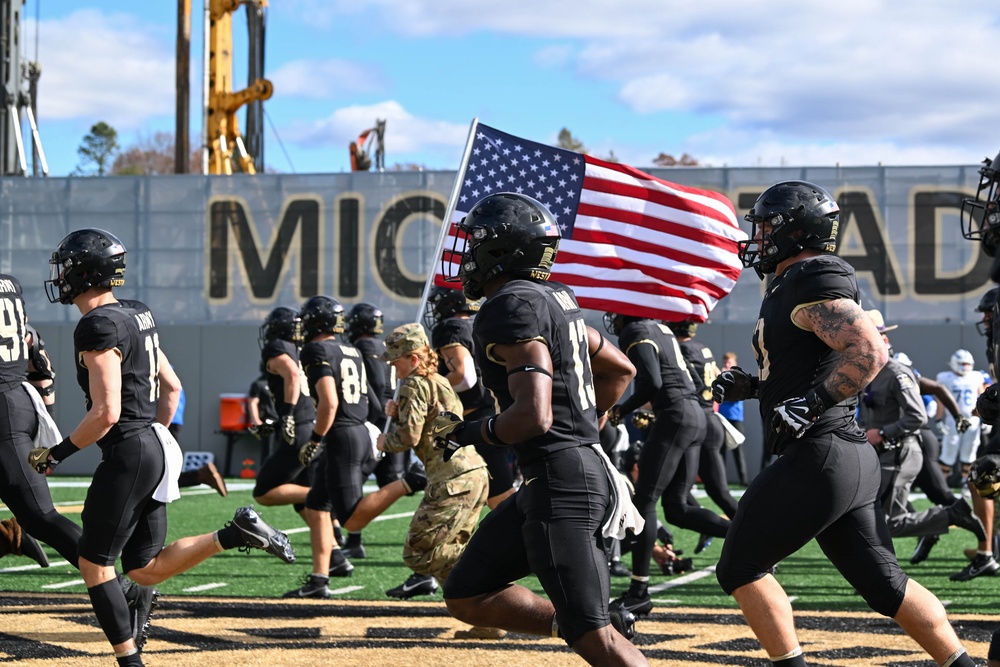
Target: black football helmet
point(504, 234)
point(364, 319)
point(280, 324)
point(321, 314)
point(685, 329)
point(615, 322)
point(986, 305)
point(800, 215)
point(445, 302)
point(980, 216)
point(85, 258)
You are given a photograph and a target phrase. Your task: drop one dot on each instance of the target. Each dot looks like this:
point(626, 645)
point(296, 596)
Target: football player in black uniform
point(41, 376)
point(671, 449)
point(283, 479)
point(338, 384)
point(449, 319)
point(981, 222)
point(711, 464)
point(816, 350)
point(552, 375)
point(120, 369)
point(363, 325)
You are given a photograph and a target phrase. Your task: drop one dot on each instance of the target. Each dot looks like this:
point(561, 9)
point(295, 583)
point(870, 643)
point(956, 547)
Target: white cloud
point(325, 79)
point(104, 67)
point(406, 134)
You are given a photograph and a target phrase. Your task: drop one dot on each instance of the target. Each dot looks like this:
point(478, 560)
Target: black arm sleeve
point(647, 377)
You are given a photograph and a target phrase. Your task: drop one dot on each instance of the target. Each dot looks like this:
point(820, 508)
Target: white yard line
point(204, 587)
point(33, 566)
point(680, 581)
point(65, 584)
point(348, 589)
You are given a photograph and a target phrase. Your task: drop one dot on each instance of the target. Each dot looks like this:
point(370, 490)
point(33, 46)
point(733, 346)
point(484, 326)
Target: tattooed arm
point(845, 327)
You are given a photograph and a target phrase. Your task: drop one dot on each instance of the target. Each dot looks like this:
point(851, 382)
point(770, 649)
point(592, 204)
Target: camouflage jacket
point(421, 398)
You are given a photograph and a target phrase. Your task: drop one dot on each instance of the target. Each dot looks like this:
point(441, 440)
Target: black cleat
point(640, 605)
point(923, 550)
point(312, 587)
point(623, 621)
point(259, 535)
point(142, 600)
point(618, 569)
point(960, 514)
point(416, 584)
point(981, 565)
point(344, 569)
point(33, 550)
point(355, 551)
point(704, 542)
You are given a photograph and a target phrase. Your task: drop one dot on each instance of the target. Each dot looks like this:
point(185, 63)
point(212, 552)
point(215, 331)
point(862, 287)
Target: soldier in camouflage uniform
point(456, 489)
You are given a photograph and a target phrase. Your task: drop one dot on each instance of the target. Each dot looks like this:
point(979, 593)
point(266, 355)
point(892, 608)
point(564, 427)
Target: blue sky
point(854, 82)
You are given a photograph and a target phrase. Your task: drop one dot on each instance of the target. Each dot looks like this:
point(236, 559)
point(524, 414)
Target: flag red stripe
point(667, 276)
point(639, 174)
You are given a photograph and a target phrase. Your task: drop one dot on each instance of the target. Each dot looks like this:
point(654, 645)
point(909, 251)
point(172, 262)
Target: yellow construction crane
point(223, 140)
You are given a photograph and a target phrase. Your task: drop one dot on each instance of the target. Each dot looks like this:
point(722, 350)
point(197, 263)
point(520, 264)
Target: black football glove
point(643, 420)
point(615, 415)
point(308, 452)
point(962, 424)
point(794, 416)
point(985, 475)
point(988, 405)
point(40, 458)
point(262, 430)
point(287, 429)
point(451, 433)
point(734, 385)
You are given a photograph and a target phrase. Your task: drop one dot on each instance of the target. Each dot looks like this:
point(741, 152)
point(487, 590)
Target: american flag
point(631, 243)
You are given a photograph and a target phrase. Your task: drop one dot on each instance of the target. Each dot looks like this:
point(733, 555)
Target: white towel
point(374, 433)
point(622, 443)
point(622, 515)
point(48, 434)
point(173, 460)
point(733, 437)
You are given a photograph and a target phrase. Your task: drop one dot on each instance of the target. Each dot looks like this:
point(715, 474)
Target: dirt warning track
point(52, 630)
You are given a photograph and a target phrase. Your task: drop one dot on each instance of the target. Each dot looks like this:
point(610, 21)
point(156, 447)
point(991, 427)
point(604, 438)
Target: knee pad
point(415, 480)
point(298, 507)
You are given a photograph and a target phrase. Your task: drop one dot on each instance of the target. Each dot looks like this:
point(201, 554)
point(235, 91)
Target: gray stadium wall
point(213, 255)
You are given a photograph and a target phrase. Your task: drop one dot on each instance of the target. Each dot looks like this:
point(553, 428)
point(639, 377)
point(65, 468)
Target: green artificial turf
point(807, 576)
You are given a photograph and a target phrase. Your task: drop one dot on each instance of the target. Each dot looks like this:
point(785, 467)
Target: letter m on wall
point(233, 234)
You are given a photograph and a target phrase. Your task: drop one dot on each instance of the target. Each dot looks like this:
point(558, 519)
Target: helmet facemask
point(980, 216)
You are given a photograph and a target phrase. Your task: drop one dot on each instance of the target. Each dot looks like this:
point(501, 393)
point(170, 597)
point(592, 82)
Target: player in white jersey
point(965, 385)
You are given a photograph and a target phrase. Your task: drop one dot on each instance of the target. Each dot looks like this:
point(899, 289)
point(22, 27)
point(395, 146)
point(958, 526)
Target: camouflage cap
point(404, 340)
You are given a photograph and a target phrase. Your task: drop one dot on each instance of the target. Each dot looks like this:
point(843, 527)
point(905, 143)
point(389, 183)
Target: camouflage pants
point(444, 523)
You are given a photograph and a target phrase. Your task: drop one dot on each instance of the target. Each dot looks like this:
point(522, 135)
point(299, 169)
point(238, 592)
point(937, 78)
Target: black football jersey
point(13, 349)
point(704, 370)
point(381, 375)
point(675, 377)
point(458, 331)
point(342, 362)
point(129, 327)
point(265, 404)
point(305, 409)
point(525, 310)
point(790, 360)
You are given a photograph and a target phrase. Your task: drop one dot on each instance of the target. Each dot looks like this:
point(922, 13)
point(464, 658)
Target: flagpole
point(446, 225)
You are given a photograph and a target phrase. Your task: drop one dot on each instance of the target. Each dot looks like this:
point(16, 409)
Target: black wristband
point(287, 409)
point(315, 437)
point(63, 450)
point(491, 431)
point(470, 433)
point(819, 399)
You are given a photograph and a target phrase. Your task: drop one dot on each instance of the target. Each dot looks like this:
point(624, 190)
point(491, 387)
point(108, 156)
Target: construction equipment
point(224, 144)
point(17, 104)
point(360, 150)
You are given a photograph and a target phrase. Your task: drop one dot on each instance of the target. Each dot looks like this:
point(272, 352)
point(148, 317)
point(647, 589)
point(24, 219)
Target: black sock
point(797, 661)
point(111, 610)
point(337, 557)
point(354, 539)
point(963, 661)
point(134, 660)
point(338, 534)
point(639, 589)
point(230, 537)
